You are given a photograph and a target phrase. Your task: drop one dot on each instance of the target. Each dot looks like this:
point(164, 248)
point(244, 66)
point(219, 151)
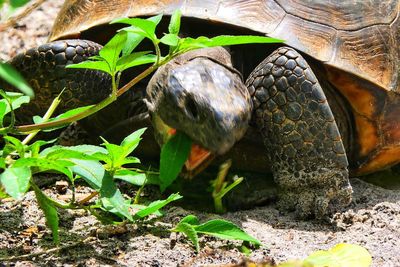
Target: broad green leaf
point(50, 212)
point(132, 41)
point(94, 65)
point(112, 50)
point(19, 147)
point(72, 112)
point(87, 149)
point(111, 193)
point(35, 147)
point(126, 60)
point(156, 205)
point(174, 153)
point(10, 75)
point(16, 99)
point(145, 59)
point(90, 170)
point(116, 155)
point(132, 141)
point(130, 160)
point(18, 3)
point(190, 232)
point(175, 22)
point(16, 181)
point(190, 219)
point(144, 27)
point(224, 40)
point(44, 164)
point(66, 154)
point(348, 255)
point(170, 39)
point(131, 177)
point(225, 230)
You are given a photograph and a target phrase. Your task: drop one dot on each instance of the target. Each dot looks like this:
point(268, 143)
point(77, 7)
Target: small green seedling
point(223, 229)
point(221, 187)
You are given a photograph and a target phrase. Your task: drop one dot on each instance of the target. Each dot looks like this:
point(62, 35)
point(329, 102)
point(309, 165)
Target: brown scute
point(384, 158)
point(360, 37)
point(342, 15)
point(367, 135)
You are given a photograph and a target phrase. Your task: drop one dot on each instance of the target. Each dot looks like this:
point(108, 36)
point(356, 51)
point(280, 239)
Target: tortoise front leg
point(303, 142)
point(44, 69)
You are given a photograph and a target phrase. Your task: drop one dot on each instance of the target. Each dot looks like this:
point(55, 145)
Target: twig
point(14, 19)
point(88, 198)
point(52, 250)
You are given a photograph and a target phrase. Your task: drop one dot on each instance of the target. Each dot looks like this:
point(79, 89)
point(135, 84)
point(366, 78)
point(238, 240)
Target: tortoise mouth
point(199, 157)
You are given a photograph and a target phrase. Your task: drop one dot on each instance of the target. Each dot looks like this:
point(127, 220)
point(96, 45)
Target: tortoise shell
point(357, 41)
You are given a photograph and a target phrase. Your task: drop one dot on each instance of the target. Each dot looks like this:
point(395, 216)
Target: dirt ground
point(372, 220)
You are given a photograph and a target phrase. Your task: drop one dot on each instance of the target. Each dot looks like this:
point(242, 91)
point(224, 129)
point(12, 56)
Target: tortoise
point(325, 103)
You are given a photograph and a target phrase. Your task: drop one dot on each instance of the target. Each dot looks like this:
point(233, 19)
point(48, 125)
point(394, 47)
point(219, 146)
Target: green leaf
point(130, 160)
point(143, 27)
point(50, 212)
point(116, 156)
point(225, 230)
point(112, 50)
point(94, 65)
point(174, 153)
point(348, 255)
point(16, 99)
point(131, 177)
point(190, 232)
point(87, 149)
point(17, 145)
point(190, 219)
point(2, 163)
point(224, 40)
point(132, 41)
point(65, 154)
point(10, 75)
point(111, 193)
point(170, 39)
point(16, 181)
point(145, 59)
point(132, 141)
point(18, 3)
point(44, 164)
point(3, 108)
point(156, 205)
point(35, 147)
point(90, 170)
point(175, 22)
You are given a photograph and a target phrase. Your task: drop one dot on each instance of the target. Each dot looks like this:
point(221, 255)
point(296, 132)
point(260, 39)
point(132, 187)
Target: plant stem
point(46, 117)
point(219, 184)
point(86, 113)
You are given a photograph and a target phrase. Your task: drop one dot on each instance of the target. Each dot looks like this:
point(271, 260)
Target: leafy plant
point(101, 166)
point(191, 227)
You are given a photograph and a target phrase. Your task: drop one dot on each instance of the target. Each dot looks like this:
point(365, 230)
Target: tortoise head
point(199, 93)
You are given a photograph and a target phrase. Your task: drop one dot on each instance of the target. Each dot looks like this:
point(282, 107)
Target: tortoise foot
point(316, 199)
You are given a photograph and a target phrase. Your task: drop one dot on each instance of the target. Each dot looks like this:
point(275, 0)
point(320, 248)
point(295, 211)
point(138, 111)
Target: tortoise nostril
point(191, 108)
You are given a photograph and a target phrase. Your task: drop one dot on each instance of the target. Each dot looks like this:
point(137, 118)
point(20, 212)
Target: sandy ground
point(372, 220)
